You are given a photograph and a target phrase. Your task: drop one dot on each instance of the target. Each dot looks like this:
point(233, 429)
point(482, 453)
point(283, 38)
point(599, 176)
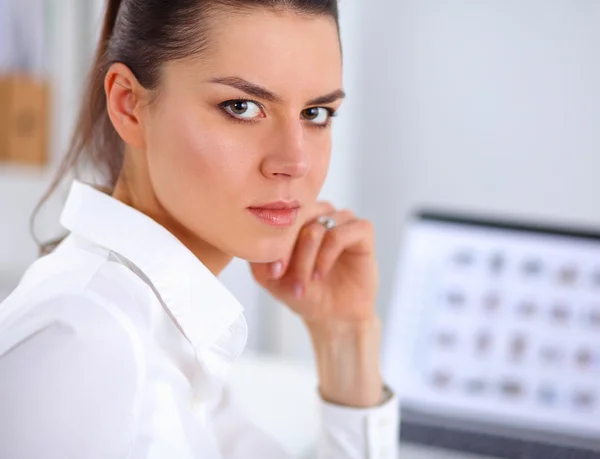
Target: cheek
point(196, 155)
point(321, 156)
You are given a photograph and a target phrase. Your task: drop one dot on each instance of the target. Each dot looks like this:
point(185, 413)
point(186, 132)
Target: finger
point(304, 256)
point(264, 272)
point(308, 245)
point(355, 236)
point(318, 209)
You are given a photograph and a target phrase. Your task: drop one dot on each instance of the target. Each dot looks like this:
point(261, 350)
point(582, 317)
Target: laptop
point(492, 338)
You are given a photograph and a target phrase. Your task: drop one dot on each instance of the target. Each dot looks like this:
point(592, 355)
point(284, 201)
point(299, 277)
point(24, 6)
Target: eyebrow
point(263, 93)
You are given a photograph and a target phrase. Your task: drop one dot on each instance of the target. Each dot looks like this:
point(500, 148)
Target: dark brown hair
point(143, 34)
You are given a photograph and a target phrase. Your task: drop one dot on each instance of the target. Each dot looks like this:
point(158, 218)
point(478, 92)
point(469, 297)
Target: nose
point(287, 157)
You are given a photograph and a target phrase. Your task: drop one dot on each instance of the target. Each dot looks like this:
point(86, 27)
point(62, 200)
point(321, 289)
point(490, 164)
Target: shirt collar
point(202, 307)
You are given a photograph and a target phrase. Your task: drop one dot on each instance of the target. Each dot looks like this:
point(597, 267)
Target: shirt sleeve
point(68, 383)
point(353, 433)
point(345, 432)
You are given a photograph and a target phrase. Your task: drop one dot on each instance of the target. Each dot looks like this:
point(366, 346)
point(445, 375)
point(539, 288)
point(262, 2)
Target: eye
point(243, 109)
point(318, 115)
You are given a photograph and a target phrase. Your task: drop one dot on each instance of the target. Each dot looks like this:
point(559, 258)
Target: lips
point(277, 214)
point(279, 205)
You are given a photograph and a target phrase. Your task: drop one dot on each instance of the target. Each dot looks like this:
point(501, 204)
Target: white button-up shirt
point(118, 344)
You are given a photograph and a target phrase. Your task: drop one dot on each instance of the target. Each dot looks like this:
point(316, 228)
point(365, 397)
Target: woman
point(211, 122)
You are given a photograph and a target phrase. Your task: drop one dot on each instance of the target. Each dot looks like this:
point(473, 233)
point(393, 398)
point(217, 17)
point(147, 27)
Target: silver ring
point(328, 222)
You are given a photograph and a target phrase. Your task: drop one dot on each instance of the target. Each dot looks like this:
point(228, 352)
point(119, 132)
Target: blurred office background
point(489, 107)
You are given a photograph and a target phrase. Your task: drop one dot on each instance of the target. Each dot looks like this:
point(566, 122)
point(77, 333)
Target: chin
point(267, 249)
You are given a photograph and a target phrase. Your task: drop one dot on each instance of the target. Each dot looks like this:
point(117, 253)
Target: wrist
point(347, 355)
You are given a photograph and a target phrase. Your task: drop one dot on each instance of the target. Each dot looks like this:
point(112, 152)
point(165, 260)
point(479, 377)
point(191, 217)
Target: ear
point(124, 97)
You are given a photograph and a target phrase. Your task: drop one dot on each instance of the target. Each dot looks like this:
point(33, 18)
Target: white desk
point(280, 397)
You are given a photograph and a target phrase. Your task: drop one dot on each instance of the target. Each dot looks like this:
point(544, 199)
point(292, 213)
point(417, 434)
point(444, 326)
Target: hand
point(330, 275)
point(330, 280)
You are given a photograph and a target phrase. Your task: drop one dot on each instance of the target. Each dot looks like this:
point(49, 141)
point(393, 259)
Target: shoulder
point(77, 266)
point(75, 305)
point(67, 334)
point(82, 319)
point(77, 287)
point(70, 379)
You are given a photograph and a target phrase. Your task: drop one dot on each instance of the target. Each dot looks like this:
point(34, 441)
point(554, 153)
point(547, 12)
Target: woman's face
point(239, 141)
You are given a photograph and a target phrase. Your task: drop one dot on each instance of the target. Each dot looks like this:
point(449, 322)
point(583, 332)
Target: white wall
point(489, 106)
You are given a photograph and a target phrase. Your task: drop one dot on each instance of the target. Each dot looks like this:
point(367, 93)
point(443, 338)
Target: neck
point(142, 198)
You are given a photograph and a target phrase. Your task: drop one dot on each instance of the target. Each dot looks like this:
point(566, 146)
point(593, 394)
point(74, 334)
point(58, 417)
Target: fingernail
point(298, 290)
point(276, 269)
point(316, 275)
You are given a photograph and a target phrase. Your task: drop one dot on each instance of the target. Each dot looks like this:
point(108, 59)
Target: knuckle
point(367, 226)
point(328, 206)
point(312, 232)
point(348, 214)
point(332, 238)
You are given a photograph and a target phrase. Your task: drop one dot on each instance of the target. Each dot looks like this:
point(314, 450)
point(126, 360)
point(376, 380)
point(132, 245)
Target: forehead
point(288, 53)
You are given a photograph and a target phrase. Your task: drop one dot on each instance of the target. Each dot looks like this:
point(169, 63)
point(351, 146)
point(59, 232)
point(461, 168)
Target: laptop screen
point(494, 327)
